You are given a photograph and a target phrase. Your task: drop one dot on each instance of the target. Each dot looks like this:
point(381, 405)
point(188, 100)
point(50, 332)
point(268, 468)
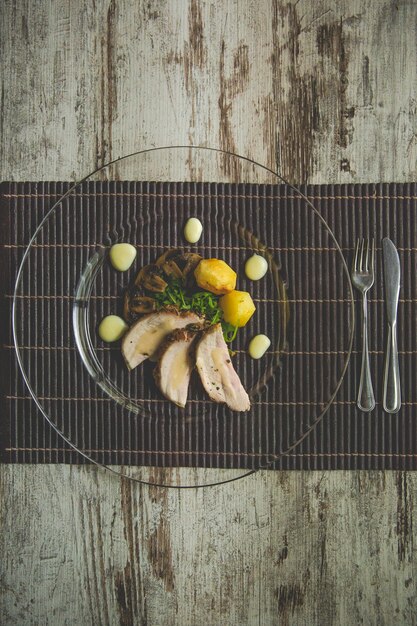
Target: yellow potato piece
point(216, 276)
point(237, 307)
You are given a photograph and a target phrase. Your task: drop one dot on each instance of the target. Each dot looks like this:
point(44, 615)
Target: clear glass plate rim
point(68, 193)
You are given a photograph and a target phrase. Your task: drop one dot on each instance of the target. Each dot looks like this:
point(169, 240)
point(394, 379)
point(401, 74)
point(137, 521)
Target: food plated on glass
point(183, 312)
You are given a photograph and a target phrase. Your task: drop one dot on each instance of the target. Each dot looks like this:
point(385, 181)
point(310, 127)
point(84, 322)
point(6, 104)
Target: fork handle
point(366, 398)
point(392, 389)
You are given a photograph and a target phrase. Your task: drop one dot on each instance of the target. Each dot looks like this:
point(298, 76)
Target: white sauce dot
point(122, 256)
point(112, 328)
point(256, 267)
point(258, 346)
point(193, 230)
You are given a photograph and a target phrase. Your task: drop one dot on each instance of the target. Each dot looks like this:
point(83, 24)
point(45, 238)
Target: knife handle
point(392, 389)
point(366, 398)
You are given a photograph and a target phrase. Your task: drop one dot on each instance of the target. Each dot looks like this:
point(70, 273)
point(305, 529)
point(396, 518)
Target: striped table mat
point(209, 437)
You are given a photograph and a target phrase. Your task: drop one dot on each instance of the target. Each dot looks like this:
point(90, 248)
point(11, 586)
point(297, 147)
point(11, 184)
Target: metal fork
point(363, 279)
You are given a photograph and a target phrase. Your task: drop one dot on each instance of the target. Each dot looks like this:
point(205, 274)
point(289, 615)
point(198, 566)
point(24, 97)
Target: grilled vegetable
point(135, 305)
point(150, 279)
point(216, 276)
point(142, 304)
point(237, 307)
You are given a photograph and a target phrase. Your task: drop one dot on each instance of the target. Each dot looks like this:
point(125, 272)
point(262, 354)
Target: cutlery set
point(363, 273)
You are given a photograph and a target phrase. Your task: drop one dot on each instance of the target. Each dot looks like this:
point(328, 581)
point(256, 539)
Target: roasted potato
point(237, 307)
point(216, 276)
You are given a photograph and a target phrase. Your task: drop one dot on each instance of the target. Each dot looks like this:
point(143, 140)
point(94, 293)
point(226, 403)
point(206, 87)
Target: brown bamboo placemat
point(345, 438)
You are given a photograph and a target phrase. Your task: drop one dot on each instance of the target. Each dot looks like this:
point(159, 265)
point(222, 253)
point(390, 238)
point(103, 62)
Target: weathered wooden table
point(324, 91)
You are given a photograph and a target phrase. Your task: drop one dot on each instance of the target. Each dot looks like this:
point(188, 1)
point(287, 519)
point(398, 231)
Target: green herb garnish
point(229, 331)
point(202, 302)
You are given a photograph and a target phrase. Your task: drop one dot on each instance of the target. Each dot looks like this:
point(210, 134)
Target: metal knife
point(392, 275)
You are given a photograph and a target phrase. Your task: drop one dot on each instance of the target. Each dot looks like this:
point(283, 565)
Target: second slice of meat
point(175, 364)
point(144, 338)
point(217, 373)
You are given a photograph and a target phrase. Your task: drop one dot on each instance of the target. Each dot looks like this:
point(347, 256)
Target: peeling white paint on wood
point(81, 547)
point(326, 92)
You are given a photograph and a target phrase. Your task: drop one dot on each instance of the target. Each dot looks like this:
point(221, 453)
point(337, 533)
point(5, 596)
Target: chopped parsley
point(201, 302)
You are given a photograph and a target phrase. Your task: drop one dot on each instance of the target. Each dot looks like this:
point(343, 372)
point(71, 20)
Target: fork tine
point(361, 257)
point(355, 260)
point(367, 256)
point(373, 256)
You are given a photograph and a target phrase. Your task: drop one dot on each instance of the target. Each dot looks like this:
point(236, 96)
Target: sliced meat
point(176, 361)
point(144, 338)
point(217, 373)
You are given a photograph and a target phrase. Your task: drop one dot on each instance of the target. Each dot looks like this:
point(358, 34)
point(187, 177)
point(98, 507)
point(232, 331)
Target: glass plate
point(65, 285)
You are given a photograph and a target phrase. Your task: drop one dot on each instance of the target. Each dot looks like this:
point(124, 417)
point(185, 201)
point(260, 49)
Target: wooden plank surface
point(324, 91)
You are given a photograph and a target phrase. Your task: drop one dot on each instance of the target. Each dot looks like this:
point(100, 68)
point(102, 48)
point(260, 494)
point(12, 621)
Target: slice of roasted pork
point(144, 338)
point(217, 373)
point(176, 362)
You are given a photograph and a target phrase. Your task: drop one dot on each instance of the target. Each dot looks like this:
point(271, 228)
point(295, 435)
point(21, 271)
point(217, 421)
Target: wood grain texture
point(277, 548)
point(326, 92)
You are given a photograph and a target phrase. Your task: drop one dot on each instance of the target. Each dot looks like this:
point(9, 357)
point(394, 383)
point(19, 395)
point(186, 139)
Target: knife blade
point(392, 278)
